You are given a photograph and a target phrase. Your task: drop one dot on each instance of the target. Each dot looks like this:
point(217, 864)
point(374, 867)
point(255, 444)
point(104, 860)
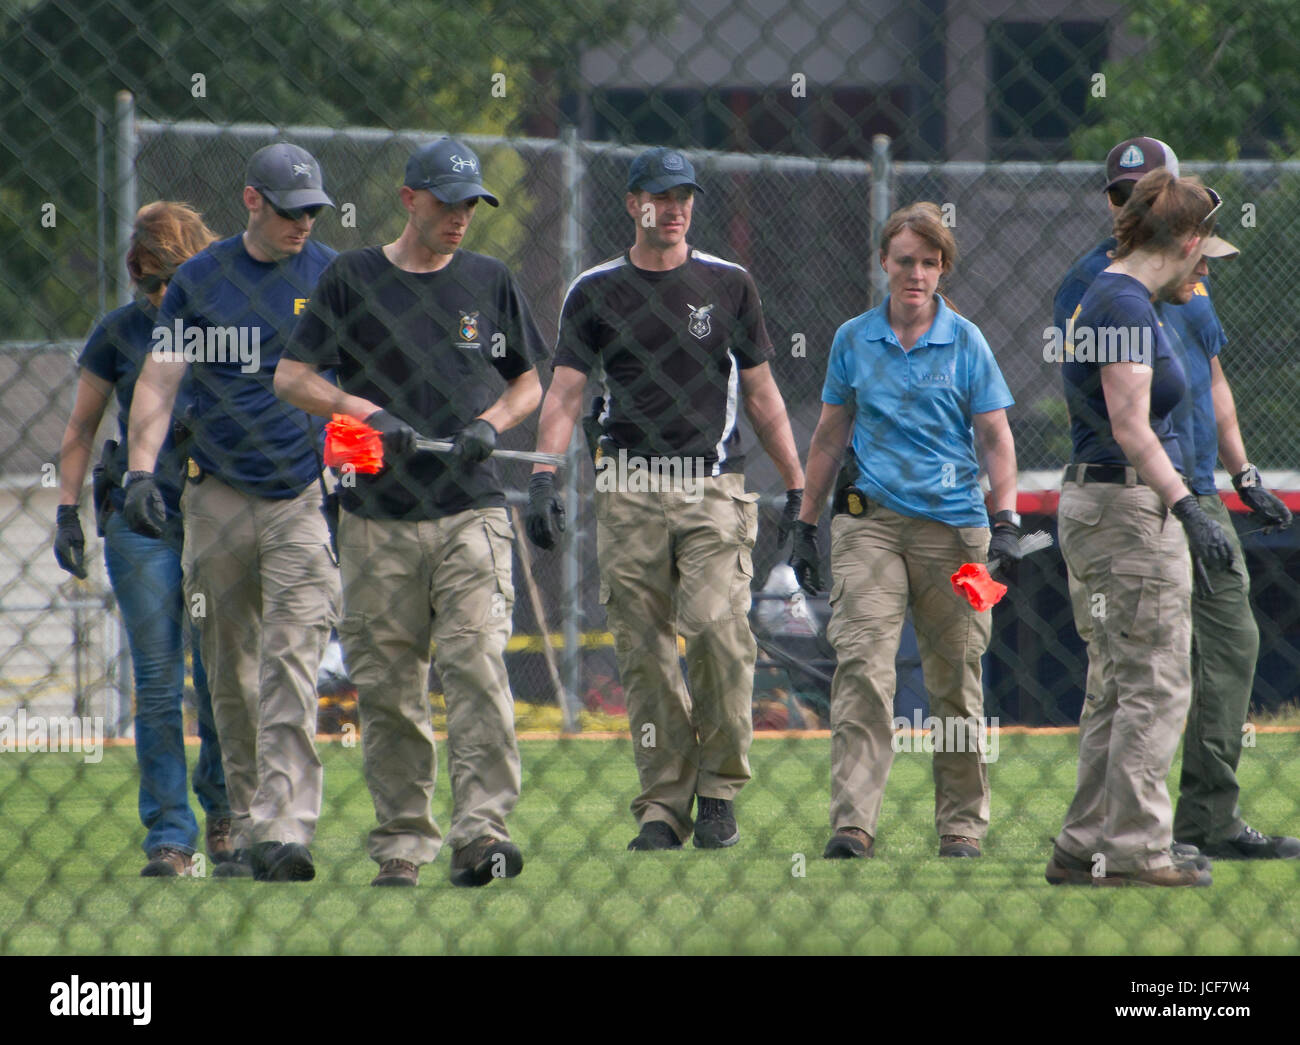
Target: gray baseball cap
point(449, 170)
point(288, 176)
point(658, 170)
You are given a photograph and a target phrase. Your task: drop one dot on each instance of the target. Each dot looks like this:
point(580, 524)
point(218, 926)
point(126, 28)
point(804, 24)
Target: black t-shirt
point(672, 345)
point(428, 347)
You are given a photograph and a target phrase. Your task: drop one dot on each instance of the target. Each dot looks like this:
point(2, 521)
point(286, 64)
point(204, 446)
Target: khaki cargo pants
point(678, 561)
point(1225, 646)
point(407, 585)
point(881, 564)
point(261, 585)
point(1130, 578)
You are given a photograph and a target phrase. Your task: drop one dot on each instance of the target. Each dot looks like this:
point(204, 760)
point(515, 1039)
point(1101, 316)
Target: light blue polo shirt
point(912, 429)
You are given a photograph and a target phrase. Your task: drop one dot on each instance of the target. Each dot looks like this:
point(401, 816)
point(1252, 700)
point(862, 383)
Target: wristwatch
point(1007, 517)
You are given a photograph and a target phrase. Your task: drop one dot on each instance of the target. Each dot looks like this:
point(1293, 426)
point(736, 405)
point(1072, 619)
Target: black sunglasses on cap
point(298, 213)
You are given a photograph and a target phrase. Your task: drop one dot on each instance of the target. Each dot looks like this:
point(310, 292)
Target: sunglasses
point(1217, 200)
point(298, 213)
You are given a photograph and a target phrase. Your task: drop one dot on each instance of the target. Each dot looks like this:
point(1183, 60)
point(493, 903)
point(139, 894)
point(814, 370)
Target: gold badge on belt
point(192, 469)
point(855, 503)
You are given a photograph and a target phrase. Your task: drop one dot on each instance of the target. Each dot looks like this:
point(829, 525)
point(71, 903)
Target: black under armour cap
point(658, 170)
point(288, 176)
point(449, 170)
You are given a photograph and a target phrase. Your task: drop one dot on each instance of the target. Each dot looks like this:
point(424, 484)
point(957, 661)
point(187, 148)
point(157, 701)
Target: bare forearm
point(560, 411)
point(1232, 448)
point(1000, 456)
point(520, 398)
point(1143, 449)
point(151, 412)
point(825, 454)
point(771, 424)
point(298, 384)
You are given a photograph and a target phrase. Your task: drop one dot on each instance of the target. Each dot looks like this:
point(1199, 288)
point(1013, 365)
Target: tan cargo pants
point(1130, 580)
point(261, 585)
point(406, 585)
point(881, 564)
point(678, 561)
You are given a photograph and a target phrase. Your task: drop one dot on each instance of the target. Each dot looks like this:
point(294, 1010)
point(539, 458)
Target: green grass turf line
point(70, 860)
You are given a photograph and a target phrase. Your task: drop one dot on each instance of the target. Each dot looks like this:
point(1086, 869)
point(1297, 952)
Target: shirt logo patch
point(1132, 157)
point(937, 378)
point(699, 325)
point(469, 327)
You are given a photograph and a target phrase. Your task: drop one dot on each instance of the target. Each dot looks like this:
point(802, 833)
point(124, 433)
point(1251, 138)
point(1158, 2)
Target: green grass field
point(69, 863)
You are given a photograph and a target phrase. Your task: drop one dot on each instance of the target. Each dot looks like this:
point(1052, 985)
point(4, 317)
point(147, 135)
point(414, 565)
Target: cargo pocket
point(1149, 603)
point(500, 540)
point(746, 520)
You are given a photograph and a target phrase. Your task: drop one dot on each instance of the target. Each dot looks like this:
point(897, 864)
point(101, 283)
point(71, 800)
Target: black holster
point(848, 499)
point(103, 477)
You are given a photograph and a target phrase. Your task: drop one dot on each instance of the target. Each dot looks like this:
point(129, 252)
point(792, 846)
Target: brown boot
point(216, 840)
point(167, 862)
point(397, 872)
point(849, 843)
point(958, 845)
point(1165, 876)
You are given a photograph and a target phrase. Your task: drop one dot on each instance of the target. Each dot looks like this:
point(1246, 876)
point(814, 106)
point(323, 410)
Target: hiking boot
point(483, 860)
point(958, 845)
point(216, 839)
point(849, 843)
point(1064, 869)
point(397, 872)
point(166, 861)
point(1249, 844)
point(237, 865)
point(715, 827)
point(1185, 856)
point(655, 834)
point(1161, 876)
point(282, 862)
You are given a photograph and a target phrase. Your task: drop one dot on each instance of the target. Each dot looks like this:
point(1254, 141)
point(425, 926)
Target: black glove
point(1004, 545)
point(70, 542)
point(793, 503)
point(805, 558)
point(475, 442)
point(144, 512)
point(398, 436)
point(1265, 508)
point(1207, 540)
point(545, 517)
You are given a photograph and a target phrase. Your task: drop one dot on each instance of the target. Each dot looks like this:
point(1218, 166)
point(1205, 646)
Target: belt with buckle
point(1117, 474)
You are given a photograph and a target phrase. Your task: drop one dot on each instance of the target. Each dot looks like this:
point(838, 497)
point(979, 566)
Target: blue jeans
point(146, 578)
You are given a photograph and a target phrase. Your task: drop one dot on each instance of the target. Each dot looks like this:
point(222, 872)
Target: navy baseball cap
point(658, 170)
point(288, 176)
point(1134, 157)
point(449, 170)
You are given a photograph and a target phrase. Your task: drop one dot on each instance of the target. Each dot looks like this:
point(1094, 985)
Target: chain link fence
point(808, 126)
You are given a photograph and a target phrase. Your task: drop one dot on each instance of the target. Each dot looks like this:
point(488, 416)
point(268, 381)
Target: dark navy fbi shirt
point(432, 349)
point(115, 352)
point(1116, 301)
point(1196, 337)
point(243, 433)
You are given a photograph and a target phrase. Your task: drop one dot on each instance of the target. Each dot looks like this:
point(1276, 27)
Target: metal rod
point(443, 446)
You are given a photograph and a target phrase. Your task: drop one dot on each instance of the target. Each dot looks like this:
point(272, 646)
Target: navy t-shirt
point(432, 349)
point(115, 352)
point(1118, 303)
point(236, 314)
point(1195, 331)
